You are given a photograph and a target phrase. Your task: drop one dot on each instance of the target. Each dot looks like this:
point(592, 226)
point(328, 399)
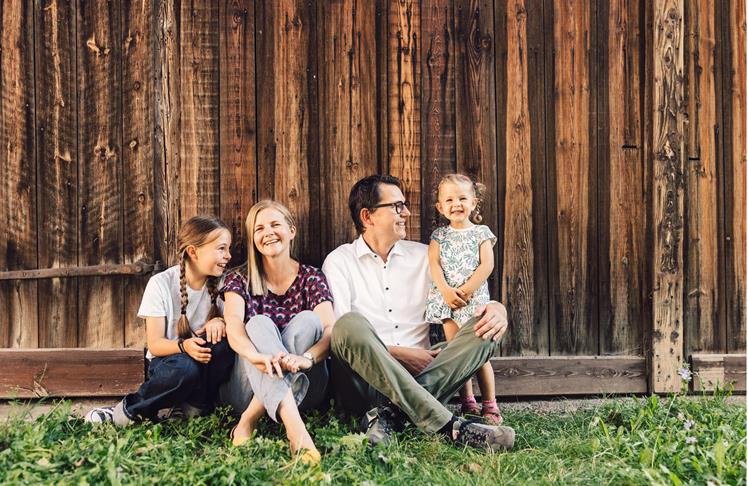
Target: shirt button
point(397, 327)
point(385, 266)
point(390, 310)
point(386, 288)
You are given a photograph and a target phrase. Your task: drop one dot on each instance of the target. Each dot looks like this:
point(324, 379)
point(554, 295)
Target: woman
point(279, 319)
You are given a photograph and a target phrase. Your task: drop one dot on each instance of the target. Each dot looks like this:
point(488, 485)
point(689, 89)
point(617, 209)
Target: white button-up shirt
point(391, 295)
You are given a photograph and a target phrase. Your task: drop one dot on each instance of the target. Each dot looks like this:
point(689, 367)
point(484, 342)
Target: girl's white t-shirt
point(161, 299)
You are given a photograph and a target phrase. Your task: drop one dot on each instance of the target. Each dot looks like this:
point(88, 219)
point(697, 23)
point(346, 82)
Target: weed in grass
point(639, 441)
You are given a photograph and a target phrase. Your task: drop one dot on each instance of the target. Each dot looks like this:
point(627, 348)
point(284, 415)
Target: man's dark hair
point(365, 194)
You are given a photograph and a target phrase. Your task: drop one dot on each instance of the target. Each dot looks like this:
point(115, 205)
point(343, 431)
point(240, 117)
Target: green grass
point(638, 441)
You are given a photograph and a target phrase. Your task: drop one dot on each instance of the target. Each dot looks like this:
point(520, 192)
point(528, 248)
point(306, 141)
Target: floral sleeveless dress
point(459, 255)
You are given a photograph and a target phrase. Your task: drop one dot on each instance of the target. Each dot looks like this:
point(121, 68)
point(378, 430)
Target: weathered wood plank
point(238, 137)
point(573, 286)
point(518, 268)
point(287, 119)
point(623, 212)
point(347, 120)
point(723, 370)
point(138, 110)
point(438, 104)
point(57, 162)
point(668, 132)
point(381, 26)
point(18, 195)
point(475, 95)
point(166, 153)
point(199, 103)
point(132, 269)
point(734, 176)
point(703, 324)
point(100, 300)
point(404, 107)
point(569, 375)
point(66, 372)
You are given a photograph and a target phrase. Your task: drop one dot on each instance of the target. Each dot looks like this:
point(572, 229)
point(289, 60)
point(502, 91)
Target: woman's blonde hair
point(255, 273)
point(196, 232)
point(478, 192)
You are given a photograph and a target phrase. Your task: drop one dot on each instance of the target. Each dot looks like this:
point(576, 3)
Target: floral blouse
point(308, 290)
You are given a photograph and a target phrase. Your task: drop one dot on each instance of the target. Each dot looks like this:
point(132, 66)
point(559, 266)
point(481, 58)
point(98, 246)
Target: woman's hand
point(454, 298)
point(267, 363)
point(194, 347)
point(214, 330)
point(294, 363)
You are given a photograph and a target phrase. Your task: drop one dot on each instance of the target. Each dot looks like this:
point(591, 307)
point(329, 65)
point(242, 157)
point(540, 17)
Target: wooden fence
point(611, 136)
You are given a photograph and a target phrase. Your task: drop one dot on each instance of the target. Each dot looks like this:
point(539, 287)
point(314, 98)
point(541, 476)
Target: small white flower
point(690, 440)
point(688, 424)
point(681, 417)
point(685, 374)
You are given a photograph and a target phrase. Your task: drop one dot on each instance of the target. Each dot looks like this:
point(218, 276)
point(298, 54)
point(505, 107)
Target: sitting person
point(188, 356)
point(381, 356)
point(279, 319)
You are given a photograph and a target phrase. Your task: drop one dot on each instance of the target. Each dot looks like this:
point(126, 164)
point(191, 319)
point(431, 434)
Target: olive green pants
point(366, 375)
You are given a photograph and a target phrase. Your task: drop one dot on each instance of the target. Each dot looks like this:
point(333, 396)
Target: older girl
point(279, 319)
point(189, 357)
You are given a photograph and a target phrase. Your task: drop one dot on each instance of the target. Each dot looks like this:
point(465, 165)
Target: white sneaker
point(99, 415)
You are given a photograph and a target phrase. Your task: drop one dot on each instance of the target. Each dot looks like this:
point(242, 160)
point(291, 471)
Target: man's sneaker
point(99, 415)
point(480, 436)
point(379, 424)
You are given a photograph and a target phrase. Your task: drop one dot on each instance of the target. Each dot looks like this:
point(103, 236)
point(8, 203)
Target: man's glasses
point(399, 205)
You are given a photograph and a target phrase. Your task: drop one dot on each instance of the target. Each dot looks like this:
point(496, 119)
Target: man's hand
point(414, 360)
point(494, 322)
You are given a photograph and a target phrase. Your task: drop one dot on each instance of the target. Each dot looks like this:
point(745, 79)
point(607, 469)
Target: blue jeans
point(177, 378)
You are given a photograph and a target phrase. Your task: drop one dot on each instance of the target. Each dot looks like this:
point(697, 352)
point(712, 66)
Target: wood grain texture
point(347, 118)
point(623, 215)
point(288, 156)
point(66, 372)
point(19, 323)
point(518, 268)
point(57, 163)
point(475, 74)
point(569, 375)
point(723, 370)
point(573, 289)
point(138, 111)
point(166, 145)
point(734, 176)
point(100, 241)
point(668, 138)
point(404, 104)
point(438, 110)
point(199, 99)
point(703, 324)
point(238, 137)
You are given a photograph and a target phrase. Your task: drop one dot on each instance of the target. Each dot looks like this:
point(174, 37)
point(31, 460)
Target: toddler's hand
point(453, 298)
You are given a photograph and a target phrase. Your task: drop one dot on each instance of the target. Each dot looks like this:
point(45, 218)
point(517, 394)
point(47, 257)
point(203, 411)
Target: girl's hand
point(294, 363)
point(454, 298)
point(267, 363)
point(214, 330)
point(194, 347)
point(466, 296)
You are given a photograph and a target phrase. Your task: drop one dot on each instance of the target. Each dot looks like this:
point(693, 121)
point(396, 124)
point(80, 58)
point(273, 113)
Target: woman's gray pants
point(246, 381)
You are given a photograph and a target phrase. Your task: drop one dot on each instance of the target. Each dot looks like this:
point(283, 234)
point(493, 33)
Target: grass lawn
point(665, 440)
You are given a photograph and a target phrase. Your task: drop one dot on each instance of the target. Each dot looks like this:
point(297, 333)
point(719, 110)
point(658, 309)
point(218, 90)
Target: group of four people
point(258, 337)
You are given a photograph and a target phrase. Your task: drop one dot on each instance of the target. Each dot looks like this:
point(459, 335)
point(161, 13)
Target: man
point(380, 346)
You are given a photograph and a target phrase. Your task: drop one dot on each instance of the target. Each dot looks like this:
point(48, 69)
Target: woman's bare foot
point(243, 431)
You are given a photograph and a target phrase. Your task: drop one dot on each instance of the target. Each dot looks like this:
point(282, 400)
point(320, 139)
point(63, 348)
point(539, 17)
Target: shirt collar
point(362, 248)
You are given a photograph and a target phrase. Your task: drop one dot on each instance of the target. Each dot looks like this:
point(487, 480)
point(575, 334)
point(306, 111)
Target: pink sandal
point(491, 414)
point(469, 406)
